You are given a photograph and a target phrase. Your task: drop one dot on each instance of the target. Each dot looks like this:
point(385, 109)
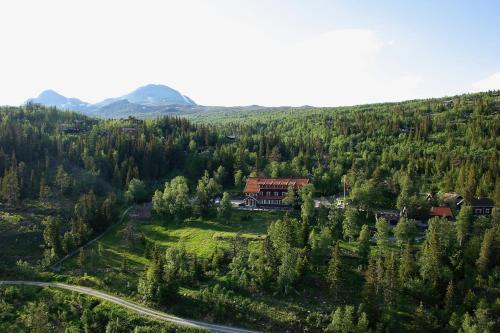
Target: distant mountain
point(51, 98)
point(152, 98)
point(157, 94)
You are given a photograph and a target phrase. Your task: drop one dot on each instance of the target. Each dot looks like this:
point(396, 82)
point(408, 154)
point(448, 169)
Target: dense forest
point(78, 173)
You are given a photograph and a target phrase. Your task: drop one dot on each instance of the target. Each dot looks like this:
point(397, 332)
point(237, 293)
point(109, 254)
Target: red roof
point(254, 185)
point(440, 211)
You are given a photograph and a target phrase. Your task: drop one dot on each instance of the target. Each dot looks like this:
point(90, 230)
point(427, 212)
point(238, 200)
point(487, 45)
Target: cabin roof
point(481, 202)
point(254, 184)
point(441, 212)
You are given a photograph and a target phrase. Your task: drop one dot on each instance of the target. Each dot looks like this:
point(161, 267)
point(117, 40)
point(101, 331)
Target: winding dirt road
point(132, 306)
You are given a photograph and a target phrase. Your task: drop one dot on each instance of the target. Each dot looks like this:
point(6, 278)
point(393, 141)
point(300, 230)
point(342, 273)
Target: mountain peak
point(157, 94)
point(51, 96)
point(150, 97)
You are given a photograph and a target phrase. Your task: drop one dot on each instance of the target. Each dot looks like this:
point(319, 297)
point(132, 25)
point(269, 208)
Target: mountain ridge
point(148, 98)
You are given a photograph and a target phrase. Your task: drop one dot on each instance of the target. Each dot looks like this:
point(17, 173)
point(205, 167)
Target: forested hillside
point(66, 177)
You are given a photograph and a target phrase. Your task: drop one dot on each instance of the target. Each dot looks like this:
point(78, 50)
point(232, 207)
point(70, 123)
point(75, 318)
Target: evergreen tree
point(10, 187)
point(307, 206)
point(335, 273)
point(449, 298)
point(335, 221)
point(364, 244)
point(350, 227)
point(51, 235)
point(464, 224)
point(63, 180)
point(489, 253)
point(382, 233)
point(44, 193)
point(407, 266)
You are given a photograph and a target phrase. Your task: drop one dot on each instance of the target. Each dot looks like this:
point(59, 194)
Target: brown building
point(270, 192)
point(444, 212)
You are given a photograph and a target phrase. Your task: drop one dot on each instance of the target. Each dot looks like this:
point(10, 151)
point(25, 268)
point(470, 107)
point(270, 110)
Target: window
point(478, 211)
point(486, 210)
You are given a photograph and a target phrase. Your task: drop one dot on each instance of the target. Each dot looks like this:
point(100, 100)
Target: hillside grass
point(200, 236)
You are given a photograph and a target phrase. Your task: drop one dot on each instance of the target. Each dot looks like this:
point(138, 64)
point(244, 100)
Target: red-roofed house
point(269, 192)
point(444, 212)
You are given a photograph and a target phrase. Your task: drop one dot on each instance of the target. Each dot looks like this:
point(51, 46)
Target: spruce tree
point(463, 224)
point(382, 234)
point(407, 264)
point(364, 244)
point(487, 253)
point(334, 275)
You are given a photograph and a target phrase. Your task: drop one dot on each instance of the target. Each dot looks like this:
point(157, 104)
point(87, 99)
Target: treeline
point(404, 150)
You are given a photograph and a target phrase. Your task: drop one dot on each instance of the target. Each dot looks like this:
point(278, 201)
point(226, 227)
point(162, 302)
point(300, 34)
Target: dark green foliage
point(389, 154)
point(33, 309)
point(335, 272)
point(225, 208)
point(136, 191)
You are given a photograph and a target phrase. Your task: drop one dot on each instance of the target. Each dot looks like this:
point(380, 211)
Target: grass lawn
point(203, 236)
point(200, 236)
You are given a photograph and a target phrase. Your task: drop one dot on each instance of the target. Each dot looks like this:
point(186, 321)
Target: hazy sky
point(250, 52)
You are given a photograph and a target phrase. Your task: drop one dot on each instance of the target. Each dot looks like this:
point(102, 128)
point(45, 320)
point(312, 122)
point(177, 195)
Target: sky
point(266, 52)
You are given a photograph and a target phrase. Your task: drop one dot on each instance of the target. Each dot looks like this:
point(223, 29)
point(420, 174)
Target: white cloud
point(492, 82)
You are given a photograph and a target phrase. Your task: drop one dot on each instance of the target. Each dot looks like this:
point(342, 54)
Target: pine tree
point(364, 244)
point(390, 279)
point(407, 265)
point(63, 180)
point(382, 233)
point(10, 187)
point(44, 193)
point(449, 298)
point(307, 206)
point(82, 259)
point(334, 275)
point(350, 227)
point(51, 235)
point(487, 253)
point(463, 224)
